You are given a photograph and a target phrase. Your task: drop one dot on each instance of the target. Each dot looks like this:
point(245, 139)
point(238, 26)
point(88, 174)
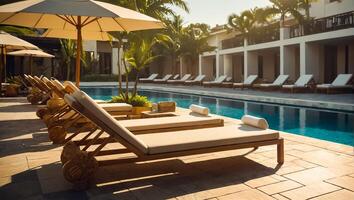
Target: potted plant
point(139, 103)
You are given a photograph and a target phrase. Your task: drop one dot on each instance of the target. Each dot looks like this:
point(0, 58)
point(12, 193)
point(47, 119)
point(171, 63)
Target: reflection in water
point(322, 124)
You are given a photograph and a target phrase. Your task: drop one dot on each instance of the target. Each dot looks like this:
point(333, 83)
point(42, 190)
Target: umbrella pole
point(78, 51)
point(30, 64)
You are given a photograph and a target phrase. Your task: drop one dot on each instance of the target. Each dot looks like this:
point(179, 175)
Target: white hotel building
point(324, 51)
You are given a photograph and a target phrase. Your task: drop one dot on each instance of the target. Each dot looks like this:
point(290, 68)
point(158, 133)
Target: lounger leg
point(280, 151)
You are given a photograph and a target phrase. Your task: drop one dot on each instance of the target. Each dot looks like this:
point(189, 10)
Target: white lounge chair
point(278, 83)
point(340, 84)
point(175, 77)
point(182, 80)
point(149, 79)
point(164, 79)
point(250, 80)
point(217, 82)
point(197, 81)
point(302, 83)
point(154, 146)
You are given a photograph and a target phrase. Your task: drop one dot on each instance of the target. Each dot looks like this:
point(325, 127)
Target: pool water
point(327, 125)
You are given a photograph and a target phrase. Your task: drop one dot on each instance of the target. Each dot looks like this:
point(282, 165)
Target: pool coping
point(235, 96)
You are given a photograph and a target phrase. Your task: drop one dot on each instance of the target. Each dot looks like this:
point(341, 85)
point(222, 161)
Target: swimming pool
point(322, 124)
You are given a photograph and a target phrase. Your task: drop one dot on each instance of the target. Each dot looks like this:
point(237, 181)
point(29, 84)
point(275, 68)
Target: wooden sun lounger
point(164, 79)
point(148, 79)
point(277, 84)
point(217, 82)
point(197, 81)
point(250, 80)
point(339, 85)
point(303, 83)
point(180, 81)
point(152, 146)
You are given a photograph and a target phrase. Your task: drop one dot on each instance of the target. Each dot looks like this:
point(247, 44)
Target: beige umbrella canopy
point(71, 34)
point(75, 15)
point(10, 42)
point(31, 54)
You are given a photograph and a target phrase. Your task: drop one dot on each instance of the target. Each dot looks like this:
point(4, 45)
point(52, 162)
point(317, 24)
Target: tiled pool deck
point(337, 101)
point(313, 169)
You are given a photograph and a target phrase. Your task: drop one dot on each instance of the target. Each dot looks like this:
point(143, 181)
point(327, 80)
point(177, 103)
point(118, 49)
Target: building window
point(105, 63)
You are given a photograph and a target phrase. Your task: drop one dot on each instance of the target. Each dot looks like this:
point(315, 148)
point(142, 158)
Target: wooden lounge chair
point(175, 77)
point(164, 79)
point(217, 82)
point(278, 83)
point(180, 81)
point(250, 80)
point(197, 81)
point(304, 82)
point(80, 163)
point(149, 79)
point(340, 84)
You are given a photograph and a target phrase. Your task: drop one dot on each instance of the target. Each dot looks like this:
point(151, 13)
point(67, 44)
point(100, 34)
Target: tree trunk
point(126, 82)
point(120, 89)
point(68, 71)
point(136, 84)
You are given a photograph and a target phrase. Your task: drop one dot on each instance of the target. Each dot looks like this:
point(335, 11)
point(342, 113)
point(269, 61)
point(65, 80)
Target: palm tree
point(194, 41)
point(262, 16)
point(285, 7)
point(68, 50)
point(158, 9)
point(306, 5)
point(242, 23)
point(140, 54)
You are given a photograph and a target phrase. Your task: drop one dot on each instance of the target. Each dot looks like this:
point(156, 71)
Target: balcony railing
point(234, 42)
point(264, 34)
point(331, 23)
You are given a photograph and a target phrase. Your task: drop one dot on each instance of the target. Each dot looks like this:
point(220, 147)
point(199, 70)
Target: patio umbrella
point(77, 15)
point(10, 42)
point(31, 54)
point(86, 35)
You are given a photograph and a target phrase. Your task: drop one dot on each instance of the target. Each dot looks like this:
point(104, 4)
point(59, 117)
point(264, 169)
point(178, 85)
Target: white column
point(115, 60)
point(282, 59)
point(281, 117)
point(217, 64)
point(284, 33)
point(245, 107)
point(251, 63)
point(228, 65)
point(245, 64)
point(180, 66)
point(303, 58)
point(200, 65)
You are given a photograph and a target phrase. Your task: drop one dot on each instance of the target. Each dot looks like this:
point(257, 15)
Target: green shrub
point(137, 101)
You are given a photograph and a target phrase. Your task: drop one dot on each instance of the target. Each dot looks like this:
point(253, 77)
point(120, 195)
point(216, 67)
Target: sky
point(214, 12)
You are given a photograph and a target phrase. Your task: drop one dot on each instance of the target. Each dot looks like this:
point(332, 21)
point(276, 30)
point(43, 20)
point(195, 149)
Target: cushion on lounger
point(199, 109)
point(203, 138)
point(105, 118)
point(170, 122)
point(255, 121)
point(58, 85)
point(109, 107)
point(70, 87)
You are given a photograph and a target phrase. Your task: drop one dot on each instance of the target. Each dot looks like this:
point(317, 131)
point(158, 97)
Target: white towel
point(199, 109)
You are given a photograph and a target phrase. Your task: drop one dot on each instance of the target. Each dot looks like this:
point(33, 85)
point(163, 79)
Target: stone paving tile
point(252, 194)
point(313, 190)
point(340, 195)
point(279, 197)
point(346, 182)
point(257, 182)
point(279, 187)
point(309, 176)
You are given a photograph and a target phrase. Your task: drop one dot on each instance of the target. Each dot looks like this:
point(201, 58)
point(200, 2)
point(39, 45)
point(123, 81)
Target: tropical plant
point(18, 30)
point(135, 101)
point(68, 50)
point(194, 41)
point(306, 5)
point(285, 7)
point(243, 23)
point(158, 9)
point(140, 54)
